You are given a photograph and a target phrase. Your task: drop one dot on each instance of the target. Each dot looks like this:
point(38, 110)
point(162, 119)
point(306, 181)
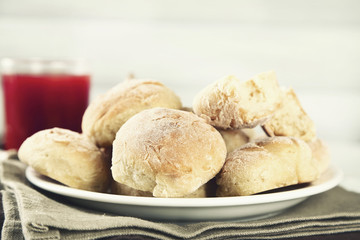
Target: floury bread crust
point(266, 164)
point(67, 157)
point(291, 119)
point(229, 103)
point(168, 152)
point(107, 113)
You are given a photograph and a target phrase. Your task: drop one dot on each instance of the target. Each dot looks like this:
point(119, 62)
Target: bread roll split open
point(232, 104)
point(291, 119)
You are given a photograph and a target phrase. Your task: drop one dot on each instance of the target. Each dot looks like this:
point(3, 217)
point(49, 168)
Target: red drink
point(35, 102)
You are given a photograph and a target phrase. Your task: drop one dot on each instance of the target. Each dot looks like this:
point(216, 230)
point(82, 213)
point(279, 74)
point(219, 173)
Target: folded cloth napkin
point(31, 214)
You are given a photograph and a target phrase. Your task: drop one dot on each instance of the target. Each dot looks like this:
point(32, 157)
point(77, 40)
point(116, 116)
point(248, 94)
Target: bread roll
point(168, 152)
point(229, 103)
point(68, 157)
point(291, 119)
point(107, 113)
point(266, 164)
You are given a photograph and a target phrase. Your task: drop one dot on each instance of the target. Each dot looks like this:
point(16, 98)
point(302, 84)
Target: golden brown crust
point(67, 157)
point(290, 119)
point(229, 103)
point(266, 164)
point(107, 113)
point(168, 152)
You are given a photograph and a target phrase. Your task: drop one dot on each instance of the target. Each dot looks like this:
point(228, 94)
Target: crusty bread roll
point(168, 152)
point(68, 157)
point(320, 153)
point(266, 164)
point(122, 189)
point(233, 138)
point(291, 119)
point(229, 103)
point(107, 113)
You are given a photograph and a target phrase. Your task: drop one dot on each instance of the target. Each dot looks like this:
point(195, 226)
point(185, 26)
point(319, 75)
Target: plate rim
point(334, 175)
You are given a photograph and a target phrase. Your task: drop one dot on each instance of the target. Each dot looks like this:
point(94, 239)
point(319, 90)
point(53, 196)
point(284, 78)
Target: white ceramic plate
point(241, 208)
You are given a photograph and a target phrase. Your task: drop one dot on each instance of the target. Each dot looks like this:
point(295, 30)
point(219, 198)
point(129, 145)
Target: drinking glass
point(41, 94)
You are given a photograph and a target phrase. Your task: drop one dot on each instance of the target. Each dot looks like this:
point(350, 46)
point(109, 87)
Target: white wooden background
point(314, 46)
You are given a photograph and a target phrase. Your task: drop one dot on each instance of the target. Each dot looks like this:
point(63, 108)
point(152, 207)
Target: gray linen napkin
point(34, 215)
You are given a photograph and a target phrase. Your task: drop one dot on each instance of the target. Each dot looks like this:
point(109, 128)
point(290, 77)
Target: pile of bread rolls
point(239, 138)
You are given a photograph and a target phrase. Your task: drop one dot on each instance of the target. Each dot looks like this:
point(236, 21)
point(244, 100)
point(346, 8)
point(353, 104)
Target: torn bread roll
point(231, 104)
point(170, 153)
point(266, 164)
point(291, 119)
point(107, 113)
point(68, 157)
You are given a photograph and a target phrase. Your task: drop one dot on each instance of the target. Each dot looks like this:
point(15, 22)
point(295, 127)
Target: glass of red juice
point(41, 94)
